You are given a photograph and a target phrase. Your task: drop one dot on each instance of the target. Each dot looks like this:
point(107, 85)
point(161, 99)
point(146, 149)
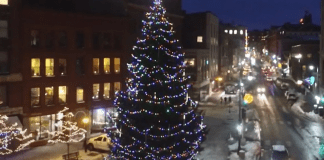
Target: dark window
point(34, 38)
point(107, 41)
point(49, 40)
point(96, 41)
point(3, 96)
point(62, 41)
point(4, 62)
point(80, 66)
point(117, 40)
point(79, 40)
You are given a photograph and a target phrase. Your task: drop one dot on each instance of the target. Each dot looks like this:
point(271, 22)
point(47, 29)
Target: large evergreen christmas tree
point(155, 118)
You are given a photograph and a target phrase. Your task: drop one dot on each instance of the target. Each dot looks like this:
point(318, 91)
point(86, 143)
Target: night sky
point(257, 14)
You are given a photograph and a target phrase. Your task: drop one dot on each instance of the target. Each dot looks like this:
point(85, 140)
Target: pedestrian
point(225, 100)
point(221, 100)
point(85, 145)
point(229, 99)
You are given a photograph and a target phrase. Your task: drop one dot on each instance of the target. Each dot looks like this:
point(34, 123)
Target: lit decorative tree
point(10, 133)
point(155, 119)
point(70, 132)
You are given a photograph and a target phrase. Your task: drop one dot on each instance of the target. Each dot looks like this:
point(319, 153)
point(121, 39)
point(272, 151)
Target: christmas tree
point(68, 131)
point(11, 133)
point(155, 119)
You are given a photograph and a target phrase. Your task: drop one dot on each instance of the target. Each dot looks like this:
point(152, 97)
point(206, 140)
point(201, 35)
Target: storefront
point(103, 118)
point(39, 126)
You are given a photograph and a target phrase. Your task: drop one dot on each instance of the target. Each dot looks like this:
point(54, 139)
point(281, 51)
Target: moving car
point(261, 90)
point(101, 142)
point(279, 152)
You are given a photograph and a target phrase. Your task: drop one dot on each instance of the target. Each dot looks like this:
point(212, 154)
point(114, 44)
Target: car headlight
point(263, 89)
point(259, 89)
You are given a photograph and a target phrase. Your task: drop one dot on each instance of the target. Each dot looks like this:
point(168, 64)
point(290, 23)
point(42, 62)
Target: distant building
point(200, 43)
point(257, 41)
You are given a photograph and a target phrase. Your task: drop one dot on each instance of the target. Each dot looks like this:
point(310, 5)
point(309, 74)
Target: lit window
point(230, 31)
point(107, 65)
point(117, 65)
point(96, 88)
point(3, 29)
point(35, 67)
point(235, 31)
point(116, 87)
point(3, 2)
point(49, 96)
point(226, 31)
point(62, 67)
point(189, 62)
point(3, 96)
point(241, 32)
point(34, 38)
point(62, 94)
point(95, 67)
point(106, 94)
point(49, 63)
point(199, 39)
point(79, 95)
point(35, 96)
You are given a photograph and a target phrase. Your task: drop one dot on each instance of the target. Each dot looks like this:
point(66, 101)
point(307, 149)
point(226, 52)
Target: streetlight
point(85, 121)
point(311, 67)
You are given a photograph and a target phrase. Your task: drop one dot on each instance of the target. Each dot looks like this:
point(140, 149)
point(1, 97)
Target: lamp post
point(85, 122)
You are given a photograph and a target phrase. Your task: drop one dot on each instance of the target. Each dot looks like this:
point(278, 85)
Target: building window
point(62, 94)
point(104, 118)
point(62, 67)
point(79, 95)
point(199, 39)
point(49, 40)
point(80, 66)
point(235, 31)
point(96, 41)
point(3, 96)
point(189, 62)
point(3, 29)
point(106, 94)
point(230, 31)
point(35, 96)
point(4, 62)
point(107, 65)
point(35, 67)
point(96, 89)
point(34, 38)
point(117, 65)
point(241, 32)
point(49, 95)
point(226, 31)
point(62, 39)
point(117, 41)
point(49, 63)
point(116, 87)
point(79, 40)
point(3, 2)
point(107, 41)
point(95, 65)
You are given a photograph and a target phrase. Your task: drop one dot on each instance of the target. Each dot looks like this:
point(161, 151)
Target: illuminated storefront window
point(40, 125)
point(104, 118)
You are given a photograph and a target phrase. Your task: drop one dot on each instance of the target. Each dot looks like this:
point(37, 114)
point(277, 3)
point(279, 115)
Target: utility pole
point(240, 102)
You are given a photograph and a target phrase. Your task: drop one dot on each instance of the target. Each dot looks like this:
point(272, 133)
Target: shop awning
point(14, 119)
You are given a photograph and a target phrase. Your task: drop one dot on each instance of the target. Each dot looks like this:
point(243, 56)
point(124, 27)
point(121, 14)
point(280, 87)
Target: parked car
point(101, 142)
point(291, 96)
point(284, 86)
point(279, 152)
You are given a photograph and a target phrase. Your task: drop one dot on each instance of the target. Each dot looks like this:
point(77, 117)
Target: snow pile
point(252, 150)
point(252, 131)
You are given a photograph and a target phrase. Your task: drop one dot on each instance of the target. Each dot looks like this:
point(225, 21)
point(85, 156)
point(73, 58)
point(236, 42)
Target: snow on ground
point(252, 149)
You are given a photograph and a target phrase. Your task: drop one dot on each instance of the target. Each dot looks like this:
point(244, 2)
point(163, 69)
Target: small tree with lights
point(70, 132)
point(156, 120)
point(11, 133)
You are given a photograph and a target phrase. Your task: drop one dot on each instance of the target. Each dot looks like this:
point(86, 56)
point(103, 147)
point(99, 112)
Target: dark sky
point(256, 14)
